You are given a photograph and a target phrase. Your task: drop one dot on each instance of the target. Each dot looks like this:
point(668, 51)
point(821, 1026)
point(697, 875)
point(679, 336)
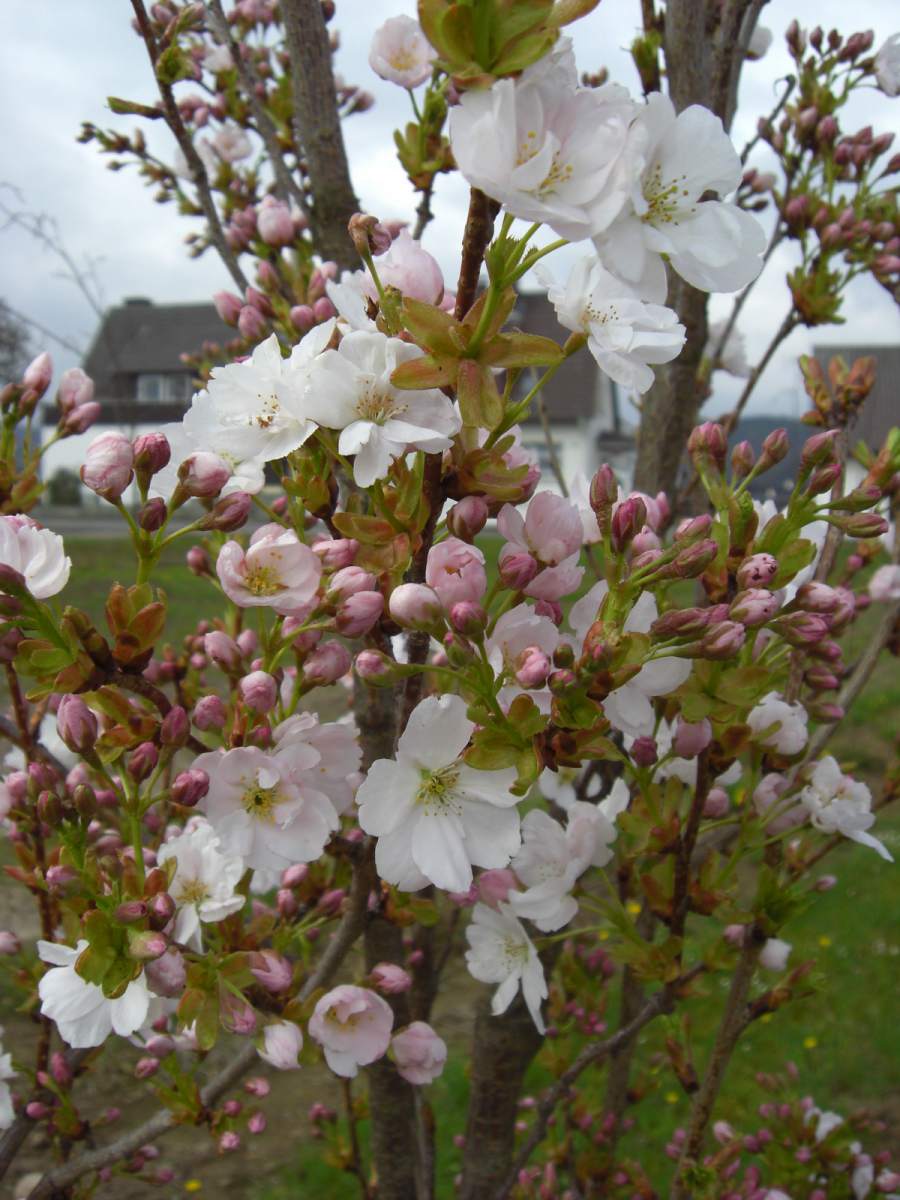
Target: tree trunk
point(501, 1054)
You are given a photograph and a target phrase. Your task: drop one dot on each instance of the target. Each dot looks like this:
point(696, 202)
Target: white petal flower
point(624, 334)
point(434, 816)
point(83, 1015)
point(775, 954)
point(500, 951)
point(545, 148)
point(204, 882)
point(732, 358)
point(839, 804)
point(258, 810)
point(351, 390)
point(339, 755)
point(514, 633)
point(887, 66)
point(37, 554)
point(672, 161)
point(7, 1113)
point(548, 865)
point(791, 721)
point(401, 53)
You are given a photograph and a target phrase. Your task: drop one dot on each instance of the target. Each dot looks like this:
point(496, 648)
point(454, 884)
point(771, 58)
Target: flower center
point(436, 791)
point(665, 198)
point(403, 59)
point(260, 802)
point(192, 891)
point(514, 952)
point(269, 409)
point(560, 172)
point(375, 404)
point(262, 581)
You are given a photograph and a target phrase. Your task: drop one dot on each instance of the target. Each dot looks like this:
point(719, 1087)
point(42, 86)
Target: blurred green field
point(844, 1037)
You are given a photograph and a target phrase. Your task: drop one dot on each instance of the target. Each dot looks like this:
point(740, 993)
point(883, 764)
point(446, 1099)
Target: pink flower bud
point(693, 529)
point(228, 306)
point(257, 1086)
point(691, 739)
point(209, 713)
point(152, 515)
point(236, 1015)
point(107, 466)
point(417, 606)
point(259, 691)
point(708, 446)
point(203, 475)
point(372, 665)
point(229, 1141)
point(644, 752)
point(168, 974)
point(145, 1068)
point(517, 570)
point(151, 453)
point(302, 317)
point(348, 582)
point(801, 628)
point(735, 934)
point(723, 1133)
point(189, 787)
point(533, 667)
point(757, 571)
point(722, 641)
point(9, 943)
point(286, 903)
point(716, 804)
point(327, 664)
point(628, 519)
point(323, 309)
point(467, 518)
point(75, 390)
point(146, 945)
point(693, 560)
point(131, 911)
point(142, 761)
point(603, 494)
point(389, 979)
point(274, 222)
point(229, 512)
point(77, 725)
point(222, 649)
point(251, 324)
point(336, 553)
point(359, 613)
point(754, 607)
point(271, 970)
point(494, 886)
point(38, 374)
point(469, 619)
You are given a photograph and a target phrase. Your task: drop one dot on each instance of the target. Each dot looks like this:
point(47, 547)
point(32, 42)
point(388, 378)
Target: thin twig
point(189, 150)
point(286, 186)
point(659, 1003)
point(555, 465)
point(423, 211)
point(785, 329)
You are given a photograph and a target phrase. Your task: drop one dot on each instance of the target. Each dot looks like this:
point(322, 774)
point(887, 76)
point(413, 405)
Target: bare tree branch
point(189, 150)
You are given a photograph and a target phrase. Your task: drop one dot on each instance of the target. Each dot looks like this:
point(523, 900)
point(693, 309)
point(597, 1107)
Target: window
point(173, 388)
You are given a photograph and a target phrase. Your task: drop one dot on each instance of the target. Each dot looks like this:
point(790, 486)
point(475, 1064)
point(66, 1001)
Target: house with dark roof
point(141, 383)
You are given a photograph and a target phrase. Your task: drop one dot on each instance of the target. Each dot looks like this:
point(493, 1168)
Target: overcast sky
point(62, 58)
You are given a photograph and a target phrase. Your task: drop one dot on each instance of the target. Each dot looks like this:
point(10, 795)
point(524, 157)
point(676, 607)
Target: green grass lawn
point(844, 1036)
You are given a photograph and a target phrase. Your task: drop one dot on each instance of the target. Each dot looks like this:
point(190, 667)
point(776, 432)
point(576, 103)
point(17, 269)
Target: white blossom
point(625, 335)
point(83, 1015)
point(261, 807)
point(545, 148)
point(435, 816)
point(839, 804)
point(401, 53)
point(500, 951)
point(791, 721)
point(672, 161)
point(775, 954)
point(887, 66)
point(351, 391)
point(7, 1113)
point(203, 886)
point(37, 554)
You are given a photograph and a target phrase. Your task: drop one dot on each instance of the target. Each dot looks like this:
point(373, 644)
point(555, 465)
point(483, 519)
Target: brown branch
point(15, 1135)
point(733, 1023)
point(423, 211)
point(477, 236)
point(286, 186)
point(317, 129)
point(348, 931)
point(189, 150)
point(11, 733)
